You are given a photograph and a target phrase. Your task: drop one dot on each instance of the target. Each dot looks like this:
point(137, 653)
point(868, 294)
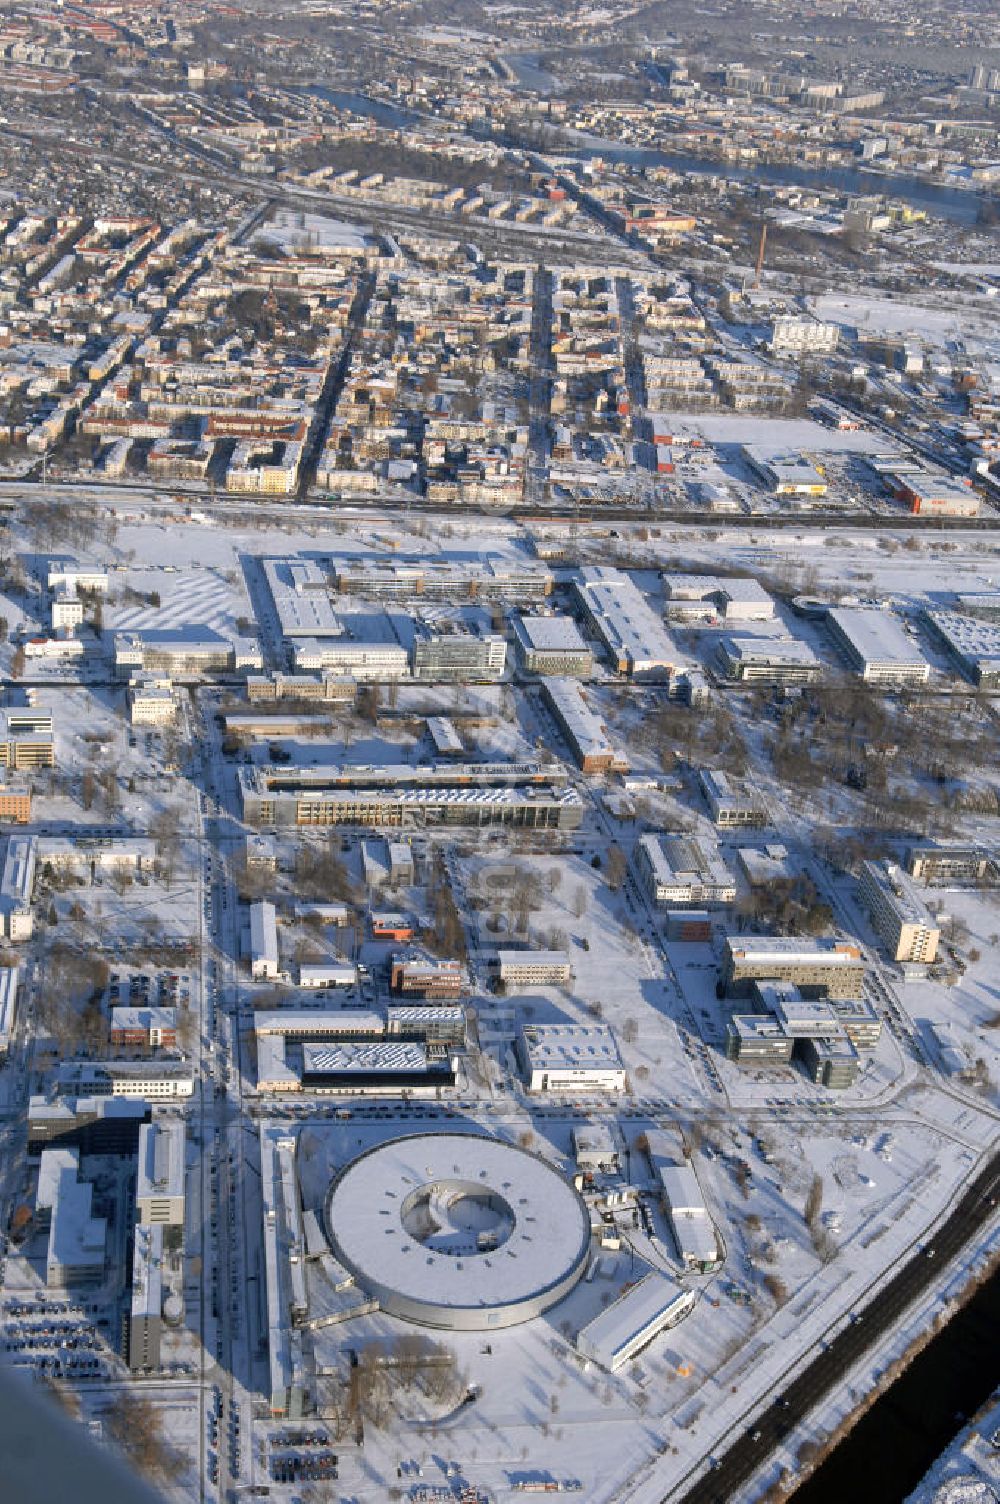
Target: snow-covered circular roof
point(458, 1230)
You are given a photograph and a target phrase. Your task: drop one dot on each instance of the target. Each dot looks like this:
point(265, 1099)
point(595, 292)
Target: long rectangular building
point(631, 1322)
point(586, 733)
point(876, 646)
point(485, 576)
point(639, 645)
point(829, 968)
point(973, 644)
point(898, 913)
point(284, 1273)
point(410, 798)
point(679, 869)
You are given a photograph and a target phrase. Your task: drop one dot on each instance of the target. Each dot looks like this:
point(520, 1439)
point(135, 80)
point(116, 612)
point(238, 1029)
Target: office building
point(534, 968)
point(732, 803)
point(76, 1249)
point(457, 657)
point(159, 1192)
point(363, 662)
point(15, 803)
point(146, 1300)
point(93, 1125)
point(484, 576)
point(426, 976)
point(17, 882)
point(146, 1028)
point(158, 1080)
point(819, 968)
point(676, 869)
point(933, 863)
point(389, 1066)
point(26, 739)
point(757, 1040)
point(10, 977)
point(573, 1058)
point(898, 913)
point(587, 735)
point(876, 646)
point(522, 796)
point(553, 645)
point(151, 700)
point(777, 662)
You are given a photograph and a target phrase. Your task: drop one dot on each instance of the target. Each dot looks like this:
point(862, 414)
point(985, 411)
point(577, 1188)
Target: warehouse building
point(570, 1058)
point(898, 913)
point(264, 963)
point(300, 592)
point(775, 661)
point(692, 1228)
point(323, 978)
point(633, 635)
point(785, 474)
point(553, 645)
point(876, 646)
point(732, 599)
point(973, 644)
point(677, 869)
point(587, 735)
point(631, 1323)
point(928, 493)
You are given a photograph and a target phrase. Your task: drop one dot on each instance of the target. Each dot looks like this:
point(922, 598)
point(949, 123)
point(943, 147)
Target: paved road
point(735, 1466)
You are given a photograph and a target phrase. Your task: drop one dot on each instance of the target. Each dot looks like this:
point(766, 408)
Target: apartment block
point(898, 913)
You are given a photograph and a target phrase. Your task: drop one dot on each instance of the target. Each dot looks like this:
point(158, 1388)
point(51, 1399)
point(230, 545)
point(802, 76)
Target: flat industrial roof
point(365, 1211)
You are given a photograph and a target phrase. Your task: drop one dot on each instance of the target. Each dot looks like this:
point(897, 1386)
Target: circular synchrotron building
point(458, 1231)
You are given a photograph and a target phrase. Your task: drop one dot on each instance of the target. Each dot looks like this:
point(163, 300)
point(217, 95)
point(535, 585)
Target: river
point(948, 203)
point(889, 1451)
